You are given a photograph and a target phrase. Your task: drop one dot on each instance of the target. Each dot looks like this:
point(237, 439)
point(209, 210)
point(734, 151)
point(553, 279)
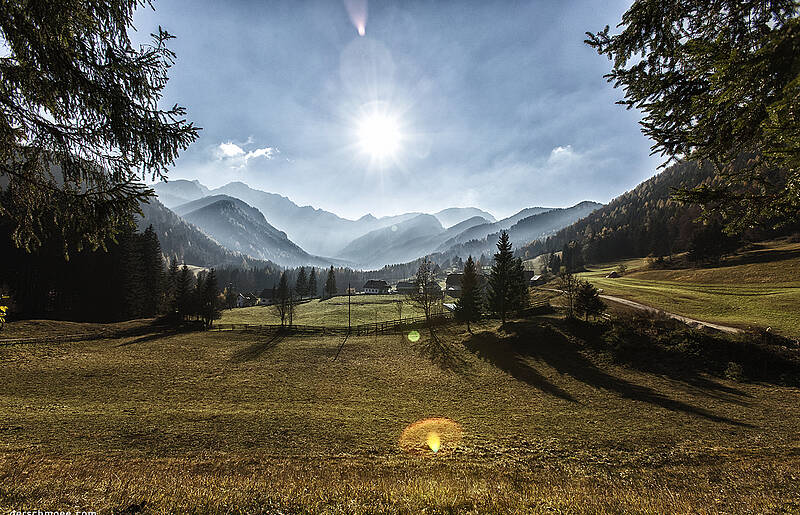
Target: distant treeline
point(261, 280)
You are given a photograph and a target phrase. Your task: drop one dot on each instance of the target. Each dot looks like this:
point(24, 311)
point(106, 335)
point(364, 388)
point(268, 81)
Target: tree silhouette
point(81, 127)
point(718, 82)
point(330, 283)
point(470, 305)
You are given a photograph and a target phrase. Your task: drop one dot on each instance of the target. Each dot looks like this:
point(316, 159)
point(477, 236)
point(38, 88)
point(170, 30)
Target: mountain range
point(238, 224)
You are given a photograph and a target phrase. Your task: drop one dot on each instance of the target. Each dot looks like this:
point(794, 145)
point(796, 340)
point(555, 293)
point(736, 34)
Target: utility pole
point(348, 308)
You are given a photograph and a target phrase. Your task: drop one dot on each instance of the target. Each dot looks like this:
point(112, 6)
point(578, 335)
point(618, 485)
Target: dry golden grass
point(249, 423)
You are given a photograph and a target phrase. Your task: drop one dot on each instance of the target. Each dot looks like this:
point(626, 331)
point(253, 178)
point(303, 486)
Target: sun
point(379, 135)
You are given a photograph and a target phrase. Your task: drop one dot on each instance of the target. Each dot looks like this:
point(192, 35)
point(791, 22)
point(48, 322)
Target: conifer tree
point(718, 82)
point(172, 284)
point(500, 278)
point(281, 300)
point(470, 304)
point(183, 294)
point(330, 283)
point(312, 283)
point(210, 309)
point(301, 283)
point(81, 118)
point(197, 295)
point(587, 301)
point(519, 295)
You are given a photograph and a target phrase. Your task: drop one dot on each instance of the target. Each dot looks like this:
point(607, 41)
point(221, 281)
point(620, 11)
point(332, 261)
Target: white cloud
point(236, 156)
point(561, 154)
point(230, 150)
point(267, 152)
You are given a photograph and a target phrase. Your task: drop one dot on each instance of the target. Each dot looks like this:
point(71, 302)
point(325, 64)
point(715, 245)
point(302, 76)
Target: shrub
point(734, 372)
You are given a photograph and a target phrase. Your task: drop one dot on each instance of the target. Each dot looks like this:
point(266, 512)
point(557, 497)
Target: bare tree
point(569, 285)
point(426, 294)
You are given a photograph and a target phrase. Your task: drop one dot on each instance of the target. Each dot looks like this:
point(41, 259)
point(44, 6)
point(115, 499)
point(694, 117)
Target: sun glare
point(379, 135)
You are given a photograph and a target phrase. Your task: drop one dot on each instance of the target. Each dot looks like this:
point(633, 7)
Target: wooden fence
point(387, 326)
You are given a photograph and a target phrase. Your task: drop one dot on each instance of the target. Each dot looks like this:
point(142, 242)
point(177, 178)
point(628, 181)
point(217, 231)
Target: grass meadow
point(760, 287)
point(364, 309)
point(248, 422)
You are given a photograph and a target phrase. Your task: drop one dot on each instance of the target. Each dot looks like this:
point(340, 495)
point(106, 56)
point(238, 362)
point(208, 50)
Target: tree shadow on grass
point(149, 338)
point(502, 354)
point(543, 341)
point(655, 359)
point(263, 343)
point(442, 354)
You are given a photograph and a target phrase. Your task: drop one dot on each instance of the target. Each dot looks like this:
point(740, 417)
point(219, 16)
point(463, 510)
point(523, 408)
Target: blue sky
point(498, 105)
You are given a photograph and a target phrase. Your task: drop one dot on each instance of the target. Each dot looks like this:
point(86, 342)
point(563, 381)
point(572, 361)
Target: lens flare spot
point(394, 228)
point(434, 442)
point(413, 336)
point(431, 436)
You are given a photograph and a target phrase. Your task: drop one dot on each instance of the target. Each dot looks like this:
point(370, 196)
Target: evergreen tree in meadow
point(507, 288)
point(197, 295)
point(312, 283)
point(172, 285)
point(301, 284)
point(470, 305)
point(131, 272)
point(330, 283)
point(209, 299)
point(587, 301)
point(500, 277)
point(183, 293)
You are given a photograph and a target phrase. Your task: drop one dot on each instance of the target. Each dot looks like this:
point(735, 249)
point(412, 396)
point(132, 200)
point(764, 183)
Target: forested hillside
point(644, 221)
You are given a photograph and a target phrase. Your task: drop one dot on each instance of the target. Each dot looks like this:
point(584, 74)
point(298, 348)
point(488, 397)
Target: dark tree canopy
point(718, 81)
point(470, 305)
point(80, 124)
point(507, 289)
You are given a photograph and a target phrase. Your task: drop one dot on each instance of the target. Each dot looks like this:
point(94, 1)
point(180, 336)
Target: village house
point(453, 284)
point(376, 287)
point(246, 300)
point(404, 287)
point(536, 280)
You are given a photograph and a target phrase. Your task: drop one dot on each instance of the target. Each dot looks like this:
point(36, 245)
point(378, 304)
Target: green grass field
point(760, 287)
point(243, 422)
point(330, 312)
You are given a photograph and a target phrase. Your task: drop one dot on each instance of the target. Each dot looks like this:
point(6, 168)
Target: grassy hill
point(759, 287)
point(236, 422)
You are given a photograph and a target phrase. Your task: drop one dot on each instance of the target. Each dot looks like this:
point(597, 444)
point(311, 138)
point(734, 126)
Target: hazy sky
point(499, 105)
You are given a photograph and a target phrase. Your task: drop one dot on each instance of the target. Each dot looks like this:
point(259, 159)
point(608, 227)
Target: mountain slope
point(316, 230)
point(179, 191)
point(482, 230)
point(533, 227)
point(401, 242)
point(455, 215)
point(182, 240)
point(242, 228)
